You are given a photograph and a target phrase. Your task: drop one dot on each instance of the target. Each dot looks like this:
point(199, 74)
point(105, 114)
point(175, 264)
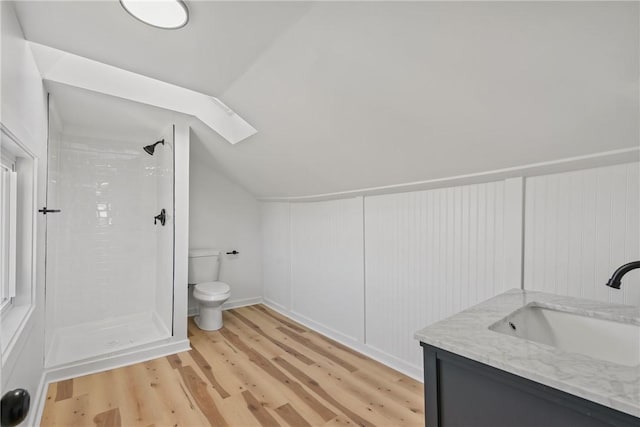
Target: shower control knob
point(233, 252)
point(162, 217)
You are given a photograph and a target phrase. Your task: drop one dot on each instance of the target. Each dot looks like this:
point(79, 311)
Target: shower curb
point(50, 375)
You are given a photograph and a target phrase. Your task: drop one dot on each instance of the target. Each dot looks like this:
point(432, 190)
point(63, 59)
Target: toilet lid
point(213, 288)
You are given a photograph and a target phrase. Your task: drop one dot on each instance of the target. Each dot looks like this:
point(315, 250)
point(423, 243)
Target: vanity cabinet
point(460, 392)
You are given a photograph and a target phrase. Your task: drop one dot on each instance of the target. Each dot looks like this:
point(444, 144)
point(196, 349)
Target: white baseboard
point(147, 352)
point(276, 306)
point(393, 362)
point(323, 329)
point(39, 400)
point(241, 302)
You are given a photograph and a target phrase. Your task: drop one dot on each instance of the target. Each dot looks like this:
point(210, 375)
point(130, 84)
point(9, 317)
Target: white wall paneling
point(514, 231)
point(327, 282)
point(430, 254)
point(275, 254)
point(579, 227)
point(425, 255)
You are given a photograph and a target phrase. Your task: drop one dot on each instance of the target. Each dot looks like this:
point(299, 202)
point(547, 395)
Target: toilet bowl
point(210, 297)
point(208, 291)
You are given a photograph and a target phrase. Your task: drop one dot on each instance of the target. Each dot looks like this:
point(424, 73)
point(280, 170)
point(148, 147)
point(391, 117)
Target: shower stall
point(110, 248)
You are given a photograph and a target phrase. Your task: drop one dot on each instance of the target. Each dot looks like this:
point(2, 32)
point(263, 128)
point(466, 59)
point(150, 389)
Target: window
point(18, 178)
point(8, 210)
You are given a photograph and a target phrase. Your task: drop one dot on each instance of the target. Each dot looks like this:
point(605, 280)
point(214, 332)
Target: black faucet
point(614, 282)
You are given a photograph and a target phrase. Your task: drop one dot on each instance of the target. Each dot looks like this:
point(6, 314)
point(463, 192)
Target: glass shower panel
point(109, 282)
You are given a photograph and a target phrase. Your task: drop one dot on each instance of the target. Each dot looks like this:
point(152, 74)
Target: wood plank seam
point(316, 348)
point(271, 369)
point(258, 411)
point(283, 346)
point(207, 371)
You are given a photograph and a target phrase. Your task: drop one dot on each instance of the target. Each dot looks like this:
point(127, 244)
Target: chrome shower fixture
point(151, 148)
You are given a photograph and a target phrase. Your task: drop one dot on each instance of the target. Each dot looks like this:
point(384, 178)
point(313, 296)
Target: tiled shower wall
point(102, 247)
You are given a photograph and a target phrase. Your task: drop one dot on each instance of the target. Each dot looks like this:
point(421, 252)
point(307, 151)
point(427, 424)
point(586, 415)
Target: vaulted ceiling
point(348, 95)
point(87, 113)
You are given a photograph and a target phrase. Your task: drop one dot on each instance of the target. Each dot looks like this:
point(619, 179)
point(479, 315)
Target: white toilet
point(210, 294)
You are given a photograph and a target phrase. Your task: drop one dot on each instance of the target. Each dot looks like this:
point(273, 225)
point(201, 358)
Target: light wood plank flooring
point(261, 369)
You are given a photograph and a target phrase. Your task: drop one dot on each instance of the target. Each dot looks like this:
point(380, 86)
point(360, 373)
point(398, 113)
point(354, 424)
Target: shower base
point(100, 339)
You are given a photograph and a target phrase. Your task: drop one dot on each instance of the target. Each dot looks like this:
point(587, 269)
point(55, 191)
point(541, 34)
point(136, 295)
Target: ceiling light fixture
point(167, 14)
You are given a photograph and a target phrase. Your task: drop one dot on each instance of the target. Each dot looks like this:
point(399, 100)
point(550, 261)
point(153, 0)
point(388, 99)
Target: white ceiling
point(221, 40)
point(83, 112)
point(348, 95)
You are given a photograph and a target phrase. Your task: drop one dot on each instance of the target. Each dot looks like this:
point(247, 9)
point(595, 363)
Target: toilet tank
point(203, 265)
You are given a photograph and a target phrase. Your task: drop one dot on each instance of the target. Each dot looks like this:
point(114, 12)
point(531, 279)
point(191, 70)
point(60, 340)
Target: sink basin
point(599, 338)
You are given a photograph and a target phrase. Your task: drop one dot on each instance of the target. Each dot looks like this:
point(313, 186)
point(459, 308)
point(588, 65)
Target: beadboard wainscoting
point(276, 265)
point(431, 254)
point(425, 255)
point(370, 271)
point(579, 227)
point(327, 264)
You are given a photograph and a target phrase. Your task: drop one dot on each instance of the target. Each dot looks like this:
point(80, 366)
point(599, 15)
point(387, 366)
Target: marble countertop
point(467, 334)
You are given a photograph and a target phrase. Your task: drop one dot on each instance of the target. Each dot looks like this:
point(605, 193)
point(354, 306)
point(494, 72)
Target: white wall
point(276, 252)
point(429, 254)
point(24, 114)
point(327, 265)
point(579, 227)
point(222, 215)
point(425, 255)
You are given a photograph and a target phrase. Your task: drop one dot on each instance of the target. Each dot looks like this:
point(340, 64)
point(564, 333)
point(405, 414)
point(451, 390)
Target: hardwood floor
point(261, 369)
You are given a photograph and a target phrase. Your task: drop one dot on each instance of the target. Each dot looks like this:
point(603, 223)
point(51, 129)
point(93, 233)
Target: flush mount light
point(167, 14)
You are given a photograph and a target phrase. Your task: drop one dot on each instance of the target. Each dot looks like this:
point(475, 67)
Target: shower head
point(151, 148)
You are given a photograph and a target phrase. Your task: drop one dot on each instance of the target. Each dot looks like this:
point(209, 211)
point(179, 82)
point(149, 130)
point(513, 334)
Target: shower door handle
point(162, 217)
point(45, 211)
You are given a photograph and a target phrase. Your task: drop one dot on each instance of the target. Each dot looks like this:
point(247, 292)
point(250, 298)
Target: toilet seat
point(212, 291)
